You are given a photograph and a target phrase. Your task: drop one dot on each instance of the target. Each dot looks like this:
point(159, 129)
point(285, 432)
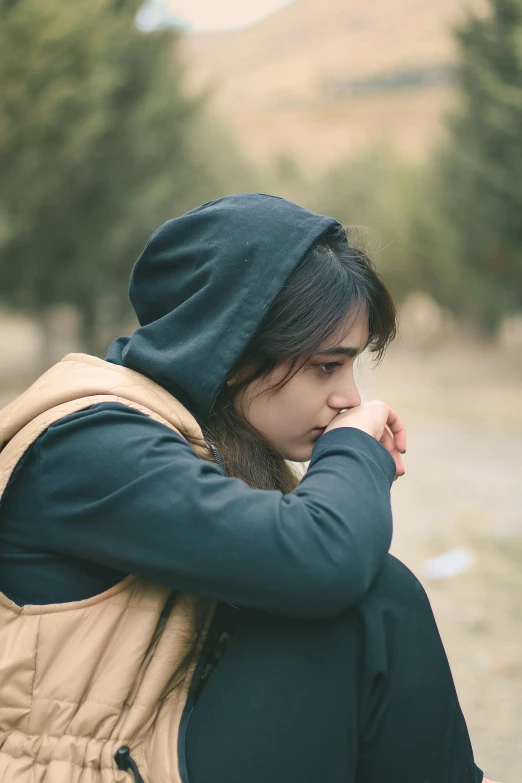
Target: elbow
point(338, 592)
point(331, 592)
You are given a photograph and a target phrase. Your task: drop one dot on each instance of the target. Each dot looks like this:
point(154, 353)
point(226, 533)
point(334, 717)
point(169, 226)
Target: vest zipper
point(123, 758)
point(125, 762)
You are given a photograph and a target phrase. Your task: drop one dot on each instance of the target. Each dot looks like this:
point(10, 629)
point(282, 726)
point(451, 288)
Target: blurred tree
point(481, 169)
point(433, 242)
point(372, 192)
point(286, 171)
point(99, 145)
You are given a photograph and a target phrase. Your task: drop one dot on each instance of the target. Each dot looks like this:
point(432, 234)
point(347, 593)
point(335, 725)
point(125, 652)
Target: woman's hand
point(381, 422)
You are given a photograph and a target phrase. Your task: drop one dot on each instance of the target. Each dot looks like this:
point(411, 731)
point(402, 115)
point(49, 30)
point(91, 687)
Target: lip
point(319, 429)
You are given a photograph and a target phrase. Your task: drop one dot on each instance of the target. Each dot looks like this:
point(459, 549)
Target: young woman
point(177, 604)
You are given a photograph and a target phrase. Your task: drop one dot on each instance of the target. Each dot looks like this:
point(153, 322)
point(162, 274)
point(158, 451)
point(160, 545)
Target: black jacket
point(107, 491)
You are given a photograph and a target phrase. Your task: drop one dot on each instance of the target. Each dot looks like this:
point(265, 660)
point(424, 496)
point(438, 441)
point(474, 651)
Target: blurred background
point(401, 117)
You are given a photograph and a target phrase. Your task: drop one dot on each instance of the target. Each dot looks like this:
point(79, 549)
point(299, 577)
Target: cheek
point(297, 405)
point(291, 411)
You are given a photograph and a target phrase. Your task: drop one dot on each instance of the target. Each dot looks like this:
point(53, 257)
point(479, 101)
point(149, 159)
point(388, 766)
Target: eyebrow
point(339, 350)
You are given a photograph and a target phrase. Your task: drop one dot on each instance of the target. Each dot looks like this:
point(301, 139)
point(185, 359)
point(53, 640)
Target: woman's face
point(290, 417)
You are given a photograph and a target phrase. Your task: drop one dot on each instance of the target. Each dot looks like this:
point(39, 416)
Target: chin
point(302, 454)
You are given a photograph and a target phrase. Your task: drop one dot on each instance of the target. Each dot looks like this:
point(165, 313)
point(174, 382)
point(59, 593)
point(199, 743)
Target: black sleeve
point(123, 491)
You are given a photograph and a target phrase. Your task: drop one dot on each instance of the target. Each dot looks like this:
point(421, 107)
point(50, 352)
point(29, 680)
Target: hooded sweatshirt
point(108, 492)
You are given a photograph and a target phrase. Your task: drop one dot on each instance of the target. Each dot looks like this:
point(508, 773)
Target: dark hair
point(331, 281)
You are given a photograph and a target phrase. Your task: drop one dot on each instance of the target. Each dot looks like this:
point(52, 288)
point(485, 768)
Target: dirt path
point(463, 488)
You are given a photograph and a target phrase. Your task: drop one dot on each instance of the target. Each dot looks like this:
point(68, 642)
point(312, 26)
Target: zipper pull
point(217, 455)
point(125, 762)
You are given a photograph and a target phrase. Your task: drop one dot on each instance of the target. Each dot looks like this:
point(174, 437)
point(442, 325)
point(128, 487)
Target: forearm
point(160, 512)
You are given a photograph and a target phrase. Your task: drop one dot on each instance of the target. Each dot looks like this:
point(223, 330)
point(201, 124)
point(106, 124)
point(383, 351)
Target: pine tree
point(96, 151)
point(482, 166)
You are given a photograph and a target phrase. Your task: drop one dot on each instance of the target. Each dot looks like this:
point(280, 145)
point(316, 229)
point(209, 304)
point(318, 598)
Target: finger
point(388, 442)
point(398, 430)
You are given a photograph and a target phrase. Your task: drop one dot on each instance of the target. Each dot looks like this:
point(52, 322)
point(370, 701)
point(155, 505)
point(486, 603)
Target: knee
point(397, 586)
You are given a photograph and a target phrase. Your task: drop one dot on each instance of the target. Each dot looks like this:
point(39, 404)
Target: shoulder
point(106, 443)
point(112, 422)
point(105, 414)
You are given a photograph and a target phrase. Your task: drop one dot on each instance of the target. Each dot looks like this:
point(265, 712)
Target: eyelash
point(328, 364)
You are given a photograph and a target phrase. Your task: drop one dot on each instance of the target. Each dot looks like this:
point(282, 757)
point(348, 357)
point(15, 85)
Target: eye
point(328, 368)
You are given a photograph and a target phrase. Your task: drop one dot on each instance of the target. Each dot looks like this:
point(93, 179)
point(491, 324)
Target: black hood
point(204, 283)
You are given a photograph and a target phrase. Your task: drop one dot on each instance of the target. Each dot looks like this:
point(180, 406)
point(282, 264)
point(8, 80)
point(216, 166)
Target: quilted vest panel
point(79, 680)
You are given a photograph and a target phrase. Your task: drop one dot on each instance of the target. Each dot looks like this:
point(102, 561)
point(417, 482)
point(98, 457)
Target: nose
point(347, 397)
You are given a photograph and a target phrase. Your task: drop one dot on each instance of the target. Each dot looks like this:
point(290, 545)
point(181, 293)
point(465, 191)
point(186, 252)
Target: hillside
point(321, 78)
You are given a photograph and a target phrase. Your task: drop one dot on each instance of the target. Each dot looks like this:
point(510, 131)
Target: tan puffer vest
point(80, 680)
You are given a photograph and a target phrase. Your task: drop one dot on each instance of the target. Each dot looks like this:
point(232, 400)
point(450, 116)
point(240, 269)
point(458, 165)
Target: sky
point(199, 15)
